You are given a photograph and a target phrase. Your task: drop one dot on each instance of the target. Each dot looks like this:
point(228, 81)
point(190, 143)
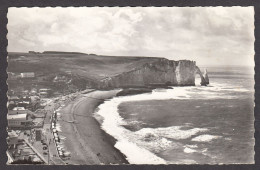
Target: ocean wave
point(189, 150)
point(159, 139)
point(192, 146)
point(112, 124)
point(140, 147)
point(216, 91)
point(205, 138)
point(173, 132)
point(137, 155)
point(146, 141)
point(227, 87)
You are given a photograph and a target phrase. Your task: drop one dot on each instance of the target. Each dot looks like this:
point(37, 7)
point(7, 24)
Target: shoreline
point(83, 151)
point(93, 144)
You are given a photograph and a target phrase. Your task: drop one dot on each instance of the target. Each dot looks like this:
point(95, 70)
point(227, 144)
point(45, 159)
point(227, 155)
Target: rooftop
point(17, 116)
point(12, 134)
point(27, 73)
point(13, 97)
point(18, 108)
point(15, 112)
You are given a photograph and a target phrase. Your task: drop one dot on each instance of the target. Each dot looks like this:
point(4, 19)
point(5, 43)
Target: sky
point(207, 35)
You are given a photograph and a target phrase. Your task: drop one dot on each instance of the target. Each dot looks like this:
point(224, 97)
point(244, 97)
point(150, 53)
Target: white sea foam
point(192, 146)
point(215, 91)
point(62, 137)
point(226, 87)
point(140, 146)
point(148, 140)
point(137, 155)
point(205, 138)
point(189, 150)
point(160, 139)
point(173, 132)
point(204, 150)
point(58, 127)
point(112, 125)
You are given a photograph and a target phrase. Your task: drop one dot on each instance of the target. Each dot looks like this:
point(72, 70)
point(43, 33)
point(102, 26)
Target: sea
point(211, 124)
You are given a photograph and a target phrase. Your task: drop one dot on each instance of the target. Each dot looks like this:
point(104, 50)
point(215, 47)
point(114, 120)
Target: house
point(44, 92)
point(24, 104)
point(33, 91)
point(28, 75)
point(11, 76)
point(18, 120)
point(18, 108)
point(12, 138)
point(68, 72)
point(25, 93)
point(11, 105)
point(13, 98)
point(60, 79)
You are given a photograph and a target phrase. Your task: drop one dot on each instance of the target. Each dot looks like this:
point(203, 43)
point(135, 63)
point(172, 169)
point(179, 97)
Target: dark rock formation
point(203, 80)
point(162, 72)
point(206, 76)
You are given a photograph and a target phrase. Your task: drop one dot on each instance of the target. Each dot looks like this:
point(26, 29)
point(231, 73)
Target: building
point(38, 135)
point(12, 102)
point(13, 98)
point(17, 112)
point(10, 158)
point(28, 75)
point(45, 92)
point(11, 105)
point(33, 91)
point(68, 72)
point(25, 93)
point(12, 76)
point(18, 121)
point(12, 139)
point(24, 104)
point(18, 108)
point(23, 152)
point(60, 79)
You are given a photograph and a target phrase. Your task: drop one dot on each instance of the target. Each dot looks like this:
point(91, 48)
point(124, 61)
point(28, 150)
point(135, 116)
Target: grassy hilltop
point(81, 70)
point(89, 66)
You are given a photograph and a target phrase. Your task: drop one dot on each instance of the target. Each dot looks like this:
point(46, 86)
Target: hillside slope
point(92, 66)
point(97, 71)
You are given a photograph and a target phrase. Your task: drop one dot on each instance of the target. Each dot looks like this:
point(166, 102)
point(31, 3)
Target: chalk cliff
point(161, 72)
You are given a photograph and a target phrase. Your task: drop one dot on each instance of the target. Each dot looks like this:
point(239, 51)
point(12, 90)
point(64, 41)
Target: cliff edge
point(163, 72)
point(102, 72)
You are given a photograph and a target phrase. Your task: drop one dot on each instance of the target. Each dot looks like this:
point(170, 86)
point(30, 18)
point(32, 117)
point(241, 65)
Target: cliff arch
point(204, 78)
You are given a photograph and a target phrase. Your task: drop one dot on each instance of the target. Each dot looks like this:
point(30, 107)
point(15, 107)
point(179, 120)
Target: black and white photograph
point(130, 85)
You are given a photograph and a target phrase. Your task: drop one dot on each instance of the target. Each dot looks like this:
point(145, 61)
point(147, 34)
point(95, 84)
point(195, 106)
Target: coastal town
point(48, 108)
point(33, 119)
point(129, 86)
